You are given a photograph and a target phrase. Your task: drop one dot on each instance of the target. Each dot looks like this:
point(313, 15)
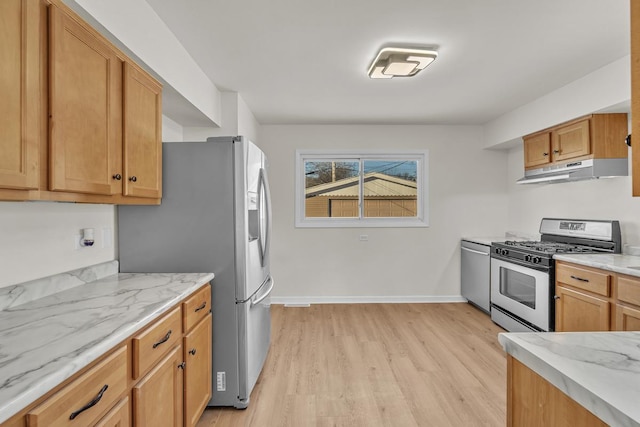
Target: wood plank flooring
point(376, 365)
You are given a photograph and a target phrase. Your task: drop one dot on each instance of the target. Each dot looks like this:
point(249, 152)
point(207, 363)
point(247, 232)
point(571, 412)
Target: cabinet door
point(537, 150)
point(197, 374)
point(85, 109)
point(20, 120)
point(142, 134)
point(571, 141)
point(119, 416)
point(627, 318)
point(157, 398)
point(580, 312)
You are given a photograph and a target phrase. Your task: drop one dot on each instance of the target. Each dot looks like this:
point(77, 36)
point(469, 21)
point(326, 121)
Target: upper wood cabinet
point(85, 99)
point(103, 141)
point(20, 81)
point(595, 136)
point(571, 141)
point(537, 149)
point(142, 134)
point(635, 95)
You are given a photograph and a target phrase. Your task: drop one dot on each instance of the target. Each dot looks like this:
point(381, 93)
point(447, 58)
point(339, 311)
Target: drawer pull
point(90, 404)
point(182, 365)
point(204, 304)
point(163, 340)
point(579, 278)
point(192, 352)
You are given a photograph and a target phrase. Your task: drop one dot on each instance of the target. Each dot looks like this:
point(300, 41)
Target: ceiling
point(306, 61)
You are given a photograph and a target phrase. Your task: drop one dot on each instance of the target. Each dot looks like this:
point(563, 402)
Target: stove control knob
point(536, 260)
point(527, 258)
point(504, 252)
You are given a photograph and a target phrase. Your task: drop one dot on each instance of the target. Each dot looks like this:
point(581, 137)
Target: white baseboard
point(302, 301)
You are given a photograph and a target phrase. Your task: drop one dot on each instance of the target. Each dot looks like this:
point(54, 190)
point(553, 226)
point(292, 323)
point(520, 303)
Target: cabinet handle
point(556, 297)
point(133, 179)
point(192, 352)
point(93, 402)
point(204, 304)
point(556, 151)
point(545, 154)
point(163, 340)
point(579, 279)
point(182, 365)
point(117, 177)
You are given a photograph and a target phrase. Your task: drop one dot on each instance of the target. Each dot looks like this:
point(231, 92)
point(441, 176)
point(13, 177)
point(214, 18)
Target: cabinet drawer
point(629, 290)
point(584, 278)
point(150, 345)
point(103, 385)
point(196, 307)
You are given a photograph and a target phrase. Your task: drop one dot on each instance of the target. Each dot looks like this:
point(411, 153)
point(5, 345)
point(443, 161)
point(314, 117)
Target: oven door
point(522, 291)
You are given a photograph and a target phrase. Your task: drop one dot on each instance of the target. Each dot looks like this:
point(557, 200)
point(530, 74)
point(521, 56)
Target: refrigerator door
point(250, 206)
point(254, 320)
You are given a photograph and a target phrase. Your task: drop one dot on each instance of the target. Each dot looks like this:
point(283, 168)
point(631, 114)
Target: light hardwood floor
point(377, 365)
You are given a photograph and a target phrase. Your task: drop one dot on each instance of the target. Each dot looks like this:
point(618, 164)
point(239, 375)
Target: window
point(361, 189)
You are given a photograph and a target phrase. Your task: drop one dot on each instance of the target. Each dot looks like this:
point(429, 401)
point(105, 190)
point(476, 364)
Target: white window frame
point(422, 178)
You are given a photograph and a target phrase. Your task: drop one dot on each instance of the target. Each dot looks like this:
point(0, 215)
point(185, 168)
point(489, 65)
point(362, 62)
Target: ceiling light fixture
point(400, 62)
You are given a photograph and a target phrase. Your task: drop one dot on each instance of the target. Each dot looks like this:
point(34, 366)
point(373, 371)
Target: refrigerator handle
point(264, 244)
point(266, 294)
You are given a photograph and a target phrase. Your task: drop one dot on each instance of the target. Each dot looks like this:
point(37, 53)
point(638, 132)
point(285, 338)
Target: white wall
point(593, 199)
point(236, 119)
point(37, 238)
point(171, 131)
point(606, 89)
point(467, 197)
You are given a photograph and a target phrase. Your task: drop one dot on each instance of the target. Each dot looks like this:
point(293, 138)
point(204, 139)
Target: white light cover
point(400, 62)
point(399, 68)
point(376, 73)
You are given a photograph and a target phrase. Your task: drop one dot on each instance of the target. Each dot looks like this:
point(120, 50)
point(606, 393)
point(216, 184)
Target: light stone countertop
point(619, 263)
point(599, 370)
point(47, 340)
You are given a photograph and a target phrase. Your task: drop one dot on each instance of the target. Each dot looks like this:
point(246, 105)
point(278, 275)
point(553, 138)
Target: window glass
point(361, 189)
point(390, 188)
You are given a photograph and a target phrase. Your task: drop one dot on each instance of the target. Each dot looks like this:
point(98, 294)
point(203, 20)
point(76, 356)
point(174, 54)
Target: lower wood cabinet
point(157, 398)
point(197, 357)
point(579, 311)
point(592, 299)
point(159, 376)
point(119, 416)
point(533, 401)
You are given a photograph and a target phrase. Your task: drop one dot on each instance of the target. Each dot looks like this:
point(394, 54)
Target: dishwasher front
point(475, 278)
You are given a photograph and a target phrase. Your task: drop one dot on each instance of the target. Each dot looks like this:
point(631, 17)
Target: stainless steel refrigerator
point(215, 217)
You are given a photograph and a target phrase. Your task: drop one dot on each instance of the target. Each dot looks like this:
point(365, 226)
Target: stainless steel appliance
point(523, 272)
point(474, 273)
point(215, 217)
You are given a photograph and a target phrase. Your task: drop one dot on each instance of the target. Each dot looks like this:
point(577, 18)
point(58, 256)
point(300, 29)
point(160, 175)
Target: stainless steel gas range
point(523, 272)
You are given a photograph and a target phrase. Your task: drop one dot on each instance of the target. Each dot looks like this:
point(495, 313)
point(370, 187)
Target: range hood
point(576, 171)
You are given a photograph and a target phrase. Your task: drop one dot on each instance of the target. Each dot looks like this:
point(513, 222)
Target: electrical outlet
point(364, 237)
point(221, 381)
point(76, 241)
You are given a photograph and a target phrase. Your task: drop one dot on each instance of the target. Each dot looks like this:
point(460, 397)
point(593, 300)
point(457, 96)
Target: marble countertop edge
point(587, 395)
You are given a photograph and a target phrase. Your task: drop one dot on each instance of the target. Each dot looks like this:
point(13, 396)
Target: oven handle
point(475, 252)
point(537, 267)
